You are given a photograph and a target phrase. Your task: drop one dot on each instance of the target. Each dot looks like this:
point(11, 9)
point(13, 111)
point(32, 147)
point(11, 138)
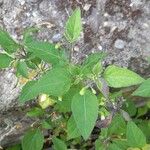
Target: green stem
point(71, 52)
point(98, 83)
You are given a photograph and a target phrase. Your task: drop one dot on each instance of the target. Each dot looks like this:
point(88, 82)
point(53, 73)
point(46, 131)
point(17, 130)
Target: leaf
point(55, 82)
point(22, 69)
point(72, 130)
point(65, 104)
point(26, 93)
point(91, 61)
point(142, 111)
point(7, 43)
point(129, 107)
point(5, 61)
point(143, 90)
point(16, 147)
point(121, 143)
point(117, 126)
point(33, 140)
point(135, 136)
point(118, 77)
point(133, 148)
point(113, 147)
point(73, 26)
point(44, 51)
point(59, 144)
point(146, 147)
point(28, 34)
point(35, 112)
point(85, 112)
point(99, 145)
point(46, 125)
point(144, 125)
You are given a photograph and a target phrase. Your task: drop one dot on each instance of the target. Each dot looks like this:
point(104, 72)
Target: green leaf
point(73, 26)
point(35, 112)
point(55, 82)
point(144, 125)
point(130, 148)
point(113, 147)
point(97, 69)
point(143, 90)
point(99, 145)
point(65, 104)
point(118, 125)
point(45, 51)
point(16, 147)
point(135, 136)
point(72, 130)
point(59, 144)
point(85, 112)
point(142, 111)
point(26, 93)
point(121, 143)
point(33, 140)
point(7, 43)
point(5, 61)
point(22, 69)
point(146, 147)
point(46, 125)
point(118, 77)
point(129, 106)
point(28, 34)
point(92, 61)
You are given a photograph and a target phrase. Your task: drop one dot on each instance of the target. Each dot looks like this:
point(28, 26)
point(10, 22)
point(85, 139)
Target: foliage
point(72, 99)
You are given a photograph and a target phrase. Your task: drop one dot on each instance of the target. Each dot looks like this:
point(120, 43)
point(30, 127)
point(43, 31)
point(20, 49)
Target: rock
point(57, 37)
point(119, 44)
point(136, 2)
point(120, 28)
point(87, 7)
point(8, 90)
point(49, 9)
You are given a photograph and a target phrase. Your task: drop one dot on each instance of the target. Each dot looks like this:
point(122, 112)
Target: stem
point(71, 52)
point(98, 84)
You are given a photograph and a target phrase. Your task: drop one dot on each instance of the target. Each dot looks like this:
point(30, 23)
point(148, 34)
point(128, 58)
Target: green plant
point(68, 103)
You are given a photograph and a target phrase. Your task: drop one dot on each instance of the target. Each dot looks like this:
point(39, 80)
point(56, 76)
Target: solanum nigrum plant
point(73, 100)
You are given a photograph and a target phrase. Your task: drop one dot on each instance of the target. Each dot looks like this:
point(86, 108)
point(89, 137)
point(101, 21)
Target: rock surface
point(119, 27)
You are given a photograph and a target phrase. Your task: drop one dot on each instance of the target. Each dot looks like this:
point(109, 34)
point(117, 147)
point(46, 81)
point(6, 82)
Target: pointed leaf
point(55, 82)
point(135, 136)
point(85, 112)
point(44, 51)
point(46, 125)
point(143, 90)
point(114, 147)
point(22, 69)
point(59, 144)
point(118, 77)
point(33, 140)
point(5, 61)
point(91, 62)
point(117, 126)
point(72, 130)
point(7, 43)
point(35, 112)
point(65, 104)
point(73, 26)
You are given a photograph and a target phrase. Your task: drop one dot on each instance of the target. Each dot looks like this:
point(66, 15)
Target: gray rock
point(119, 44)
point(57, 37)
point(8, 90)
point(50, 9)
point(120, 28)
